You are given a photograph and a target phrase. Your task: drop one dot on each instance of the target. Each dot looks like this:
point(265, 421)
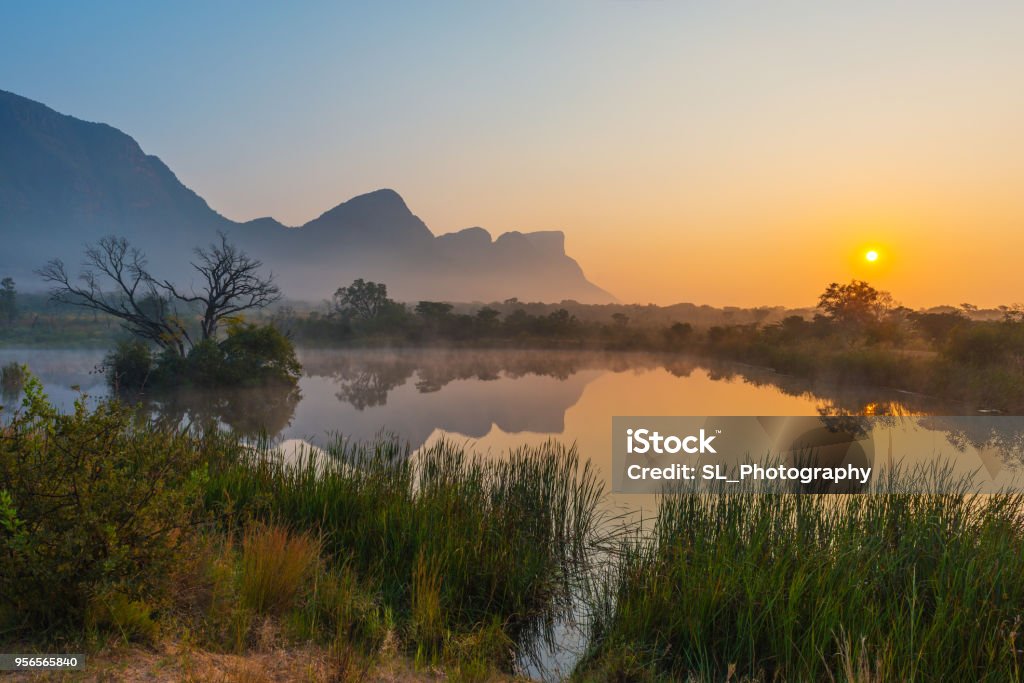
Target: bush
point(12, 379)
point(258, 354)
point(250, 355)
point(129, 365)
point(986, 343)
point(131, 619)
point(93, 505)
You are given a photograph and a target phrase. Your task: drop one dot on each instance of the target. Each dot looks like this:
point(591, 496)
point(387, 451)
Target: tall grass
point(450, 541)
point(275, 566)
point(889, 587)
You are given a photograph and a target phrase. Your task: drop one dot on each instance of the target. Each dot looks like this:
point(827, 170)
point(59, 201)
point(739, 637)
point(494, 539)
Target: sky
point(728, 153)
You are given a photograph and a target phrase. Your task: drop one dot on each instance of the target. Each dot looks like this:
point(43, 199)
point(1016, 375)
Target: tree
point(678, 333)
point(487, 318)
point(116, 281)
point(857, 304)
point(936, 327)
point(433, 310)
point(232, 285)
point(361, 299)
point(8, 300)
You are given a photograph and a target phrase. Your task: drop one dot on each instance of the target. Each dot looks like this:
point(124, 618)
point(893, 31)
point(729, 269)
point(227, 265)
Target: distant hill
point(65, 182)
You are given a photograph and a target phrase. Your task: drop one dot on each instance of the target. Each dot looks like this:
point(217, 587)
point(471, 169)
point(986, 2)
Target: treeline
point(363, 314)
point(857, 334)
point(860, 336)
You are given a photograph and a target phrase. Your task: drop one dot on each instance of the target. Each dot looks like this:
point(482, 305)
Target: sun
point(871, 256)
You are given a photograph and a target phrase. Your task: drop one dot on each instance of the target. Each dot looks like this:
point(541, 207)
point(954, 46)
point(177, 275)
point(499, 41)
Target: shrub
point(250, 355)
point(12, 379)
point(131, 619)
point(258, 354)
point(129, 365)
point(94, 503)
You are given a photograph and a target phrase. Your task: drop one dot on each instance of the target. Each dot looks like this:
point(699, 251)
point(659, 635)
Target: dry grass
point(276, 566)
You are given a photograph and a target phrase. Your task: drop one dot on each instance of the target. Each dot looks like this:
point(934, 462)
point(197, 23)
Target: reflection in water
point(504, 398)
point(250, 412)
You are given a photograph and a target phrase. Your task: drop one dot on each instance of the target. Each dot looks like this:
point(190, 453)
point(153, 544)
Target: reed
point(886, 587)
point(450, 541)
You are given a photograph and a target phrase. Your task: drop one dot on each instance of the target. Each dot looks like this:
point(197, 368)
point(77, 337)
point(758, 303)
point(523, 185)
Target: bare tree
point(232, 285)
point(116, 281)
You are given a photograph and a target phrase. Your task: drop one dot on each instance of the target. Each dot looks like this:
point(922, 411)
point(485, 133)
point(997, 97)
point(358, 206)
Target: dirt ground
point(174, 663)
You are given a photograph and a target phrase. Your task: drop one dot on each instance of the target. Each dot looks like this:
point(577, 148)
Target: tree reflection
point(249, 412)
point(366, 378)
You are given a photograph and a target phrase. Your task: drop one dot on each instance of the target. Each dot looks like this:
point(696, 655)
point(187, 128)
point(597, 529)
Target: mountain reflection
point(503, 398)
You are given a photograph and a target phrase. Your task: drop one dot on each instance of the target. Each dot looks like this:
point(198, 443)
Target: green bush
point(12, 379)
point(250, 355)
point(258, 354)
point(93, 505)
point(129, 365)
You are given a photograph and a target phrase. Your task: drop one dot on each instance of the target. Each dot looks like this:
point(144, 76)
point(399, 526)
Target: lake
point(498, 399)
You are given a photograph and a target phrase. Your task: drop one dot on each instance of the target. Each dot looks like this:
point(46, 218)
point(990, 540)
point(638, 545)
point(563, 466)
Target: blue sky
point(791, 134)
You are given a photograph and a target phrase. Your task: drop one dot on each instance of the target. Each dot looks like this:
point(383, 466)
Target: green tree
point(362, 299)
point(487, 319)
point(433, 310)
point(856, 304)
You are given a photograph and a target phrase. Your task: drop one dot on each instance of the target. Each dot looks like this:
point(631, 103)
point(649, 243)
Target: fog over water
point(499, 399)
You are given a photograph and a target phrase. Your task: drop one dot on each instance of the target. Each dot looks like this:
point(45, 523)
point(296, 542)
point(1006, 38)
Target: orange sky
point(733, 152)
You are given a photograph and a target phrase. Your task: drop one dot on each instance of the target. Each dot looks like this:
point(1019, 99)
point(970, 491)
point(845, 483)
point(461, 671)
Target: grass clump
point(275, 565)
point(451, 543)
point(894, 586)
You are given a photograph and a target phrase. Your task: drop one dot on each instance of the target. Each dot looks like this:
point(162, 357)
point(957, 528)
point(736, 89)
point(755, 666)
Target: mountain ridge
point(65, 181)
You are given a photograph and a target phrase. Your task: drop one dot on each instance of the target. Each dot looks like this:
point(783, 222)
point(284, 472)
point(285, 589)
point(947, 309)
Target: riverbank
point(181, 662)
point(154, 549)
point(115, 528)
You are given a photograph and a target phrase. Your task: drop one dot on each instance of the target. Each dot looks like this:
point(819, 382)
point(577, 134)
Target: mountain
point(65, 182)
